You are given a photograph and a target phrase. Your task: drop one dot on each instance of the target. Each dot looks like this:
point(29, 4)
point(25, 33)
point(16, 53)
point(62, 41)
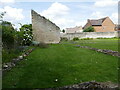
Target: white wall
point(81, 35)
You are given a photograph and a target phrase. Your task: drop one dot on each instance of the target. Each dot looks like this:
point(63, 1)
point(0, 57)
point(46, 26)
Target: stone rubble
point(92, 85)
point(9, 65)
point(109, 52)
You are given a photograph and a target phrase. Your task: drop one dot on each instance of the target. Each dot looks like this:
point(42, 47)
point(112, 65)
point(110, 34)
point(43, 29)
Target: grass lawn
point(60, 65)
point(110, 44)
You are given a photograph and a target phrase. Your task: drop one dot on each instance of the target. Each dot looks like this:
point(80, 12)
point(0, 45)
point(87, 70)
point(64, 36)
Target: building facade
point(101, 25)
point(76, 29)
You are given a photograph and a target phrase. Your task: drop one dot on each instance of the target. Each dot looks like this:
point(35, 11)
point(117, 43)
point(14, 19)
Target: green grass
point(110, 44)
point(64, 62)
point(7, 56)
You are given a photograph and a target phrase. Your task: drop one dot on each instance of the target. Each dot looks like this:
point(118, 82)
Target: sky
point(64, 13)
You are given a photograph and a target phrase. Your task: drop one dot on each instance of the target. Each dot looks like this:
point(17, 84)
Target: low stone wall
point(81, 35)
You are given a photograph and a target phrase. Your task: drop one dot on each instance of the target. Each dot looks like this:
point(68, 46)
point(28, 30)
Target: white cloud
point(105, 3)
point(80, 23)
point(114, 17)
point(12, 14)
point(97, 14)
point(64, 22)
point(7, 1)
point(56, 13)
point(55, 10)
point(59, 14)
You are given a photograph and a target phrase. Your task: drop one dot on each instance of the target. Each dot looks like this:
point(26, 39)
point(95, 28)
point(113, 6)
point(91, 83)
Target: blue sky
point(64, 14)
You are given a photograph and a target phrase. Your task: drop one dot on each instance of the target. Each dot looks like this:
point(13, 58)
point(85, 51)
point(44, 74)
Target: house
point(101, 25)
point(74, 29)
point(44, 30)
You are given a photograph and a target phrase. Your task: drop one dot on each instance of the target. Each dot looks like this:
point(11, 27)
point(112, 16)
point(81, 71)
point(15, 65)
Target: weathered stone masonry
point(44, 30)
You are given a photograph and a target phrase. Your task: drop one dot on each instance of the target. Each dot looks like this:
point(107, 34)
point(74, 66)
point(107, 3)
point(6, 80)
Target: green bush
point(89, 29)
point(63, 31)
point(35, 43)
point(75, 38)
point(26, 34)
point(108, 38)
point(8, 35)
point(86, 39)
point(8, 55)
point(43, 45)
point(63, 39)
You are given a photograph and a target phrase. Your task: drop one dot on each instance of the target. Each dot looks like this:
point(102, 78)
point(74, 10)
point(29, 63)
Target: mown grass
point(110, 44)
point(63, 62)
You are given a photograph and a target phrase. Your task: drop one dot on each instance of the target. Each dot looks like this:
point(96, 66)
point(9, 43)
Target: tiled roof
point(97, 22)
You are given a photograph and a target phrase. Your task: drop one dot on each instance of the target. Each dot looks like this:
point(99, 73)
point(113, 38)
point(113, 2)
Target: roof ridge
point(98, 19)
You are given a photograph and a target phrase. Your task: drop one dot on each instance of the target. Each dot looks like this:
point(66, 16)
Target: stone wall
point(81, 35)
point(44, 30)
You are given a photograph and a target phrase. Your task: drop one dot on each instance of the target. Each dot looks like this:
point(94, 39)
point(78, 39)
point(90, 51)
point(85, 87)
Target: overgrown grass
point(63, 62)
point(7, 56)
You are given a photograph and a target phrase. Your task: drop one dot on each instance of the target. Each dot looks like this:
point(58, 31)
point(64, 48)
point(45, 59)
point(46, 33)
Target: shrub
point(35, 43)
point(75, 38)
point(108, 38)
point(89, 29)
point(43, 45)
point(8, 35)
point(63, 31)
point(87, 39)
point(64, 39)
point(8, 55)
point(26, 34)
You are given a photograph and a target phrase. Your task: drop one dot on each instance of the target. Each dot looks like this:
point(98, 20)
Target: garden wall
point(81, 35)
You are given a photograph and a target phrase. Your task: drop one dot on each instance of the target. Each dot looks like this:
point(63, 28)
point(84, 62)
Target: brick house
point(101, 25)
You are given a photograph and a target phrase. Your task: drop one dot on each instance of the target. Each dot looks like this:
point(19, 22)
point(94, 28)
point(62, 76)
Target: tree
point(8, 34)
point(26, 34)
point(63, 31)
point(1, 15)
point(89, 29)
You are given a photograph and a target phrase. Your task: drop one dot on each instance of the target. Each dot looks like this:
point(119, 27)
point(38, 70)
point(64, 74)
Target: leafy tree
point(1, 15)
point(89, 29)
point(63, 31)
point(26, 34)
point(8, 34)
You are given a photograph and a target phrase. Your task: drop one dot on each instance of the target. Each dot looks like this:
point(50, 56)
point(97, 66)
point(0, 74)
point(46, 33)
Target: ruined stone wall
point(44, 30)
point(81, 35)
